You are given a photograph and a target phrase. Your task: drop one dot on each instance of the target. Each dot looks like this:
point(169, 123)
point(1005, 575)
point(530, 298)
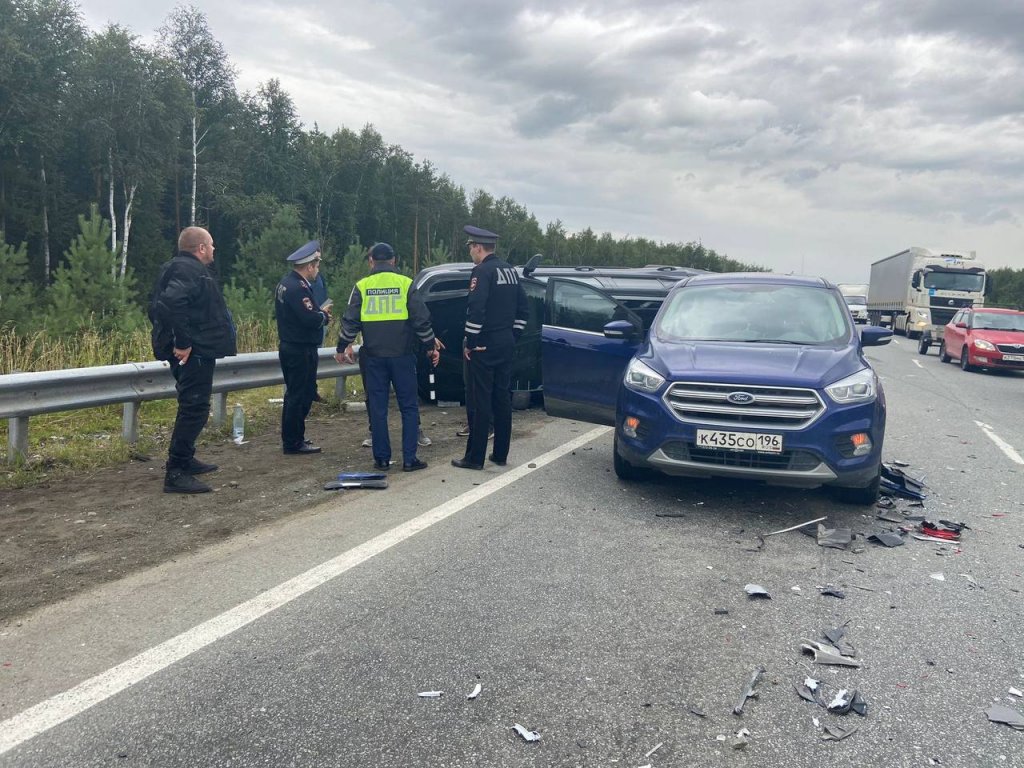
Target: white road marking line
point(917, 363)
point(57, 709)
point(1003, 446)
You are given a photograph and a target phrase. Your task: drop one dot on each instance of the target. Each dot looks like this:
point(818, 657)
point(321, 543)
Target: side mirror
point(620, 329)
point(532, 263)
point(874, 336)
point(915, 281)
point(961, 325)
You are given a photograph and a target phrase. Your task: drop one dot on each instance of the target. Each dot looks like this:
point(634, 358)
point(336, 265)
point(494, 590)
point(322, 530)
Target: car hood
point(754, 363)
point(999, 337)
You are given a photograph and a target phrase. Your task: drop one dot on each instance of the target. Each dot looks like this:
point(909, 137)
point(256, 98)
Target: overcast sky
point(803, 136)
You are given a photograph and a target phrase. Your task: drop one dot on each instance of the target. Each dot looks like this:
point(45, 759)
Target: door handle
point(563, 342)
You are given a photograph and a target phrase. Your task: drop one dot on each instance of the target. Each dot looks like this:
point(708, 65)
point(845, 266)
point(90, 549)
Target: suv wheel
point(965, 361)
point(623, 469)
point(863, 496)
point(943, 357)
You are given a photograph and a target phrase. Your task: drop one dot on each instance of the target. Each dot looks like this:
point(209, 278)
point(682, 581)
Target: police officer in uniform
point(496, 314)
point(395, 324)
point(300, 324)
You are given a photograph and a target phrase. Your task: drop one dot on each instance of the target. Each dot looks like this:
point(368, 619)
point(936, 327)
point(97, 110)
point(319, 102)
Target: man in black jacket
point(191, 329)
point(300, 329)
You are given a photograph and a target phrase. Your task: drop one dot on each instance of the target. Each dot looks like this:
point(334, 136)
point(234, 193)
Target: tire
point(623, 469)
point(943, 356)
point(965, 361)
point(521, 399)
point(923, 346)
point(913, 334)
point(861, 496)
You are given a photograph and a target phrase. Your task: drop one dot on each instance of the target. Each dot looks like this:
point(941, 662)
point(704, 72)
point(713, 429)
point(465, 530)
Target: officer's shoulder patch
point(472, 284)
point(281, 288)
point(307, 303)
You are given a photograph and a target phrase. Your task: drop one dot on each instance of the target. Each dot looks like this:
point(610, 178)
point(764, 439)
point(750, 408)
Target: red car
point(983, 337)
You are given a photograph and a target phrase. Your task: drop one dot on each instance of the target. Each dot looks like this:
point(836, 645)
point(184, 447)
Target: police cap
point(382, 252)
point(482, 236)
point(305, 254)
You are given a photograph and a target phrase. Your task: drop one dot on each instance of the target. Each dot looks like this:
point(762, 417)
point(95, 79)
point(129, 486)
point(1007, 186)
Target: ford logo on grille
point(740, 398)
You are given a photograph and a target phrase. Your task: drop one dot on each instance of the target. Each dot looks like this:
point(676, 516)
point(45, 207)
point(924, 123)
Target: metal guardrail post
point(130, 423)
point(339, 387)
point(17, 438)
point(220, 408)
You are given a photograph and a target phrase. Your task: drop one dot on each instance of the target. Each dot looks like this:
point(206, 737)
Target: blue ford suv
point(754, 376)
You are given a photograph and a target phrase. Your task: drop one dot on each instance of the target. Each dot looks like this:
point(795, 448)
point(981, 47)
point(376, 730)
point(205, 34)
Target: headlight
point(986, 345)
point(643, 378)
point(858, 388)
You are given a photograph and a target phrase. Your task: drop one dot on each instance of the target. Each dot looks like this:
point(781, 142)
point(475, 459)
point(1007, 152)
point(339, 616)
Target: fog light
point(861, 443)
point(629, 426)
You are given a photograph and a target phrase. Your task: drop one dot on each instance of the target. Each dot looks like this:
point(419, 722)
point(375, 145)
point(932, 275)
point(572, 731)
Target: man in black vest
point(191, 329)
point(300, 328)
point(496, 313)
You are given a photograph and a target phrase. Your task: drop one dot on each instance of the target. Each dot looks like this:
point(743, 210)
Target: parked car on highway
point(742, 375)
point(984, 337)
point(445, 287)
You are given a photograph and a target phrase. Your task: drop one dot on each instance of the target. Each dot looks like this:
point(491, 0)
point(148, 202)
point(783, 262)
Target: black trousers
point(489, 400)
point(194, 383)
point(298, 364)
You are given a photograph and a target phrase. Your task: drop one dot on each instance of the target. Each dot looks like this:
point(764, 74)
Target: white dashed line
point(1003, 446)
point(917, 363)
point(54, 711)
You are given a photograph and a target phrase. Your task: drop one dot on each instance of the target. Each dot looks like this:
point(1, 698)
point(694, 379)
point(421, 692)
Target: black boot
point(180, 481)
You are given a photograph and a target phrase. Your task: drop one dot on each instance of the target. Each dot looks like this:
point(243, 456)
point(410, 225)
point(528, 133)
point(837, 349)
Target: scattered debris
point(748, 692)
point(837, 732)
point(794, 527)
point(840, 703)
point(837, 538)
point(971, 580)
point(899, 463)
point(891, 516)
point(943, 530)
point(1000, 713)
point(721, 611)
point(900, 483)
point(740, 740)
point(808, 690)
point(475, 692)
point(756, 590)
point(837, 638)
point(1015, 692)
point(697, 711)
point(833, 592)
point(431, 694)
point(885, 502)
point(654, 749)
point(858, 705)
point(887, 538)
point(937, 576)
point(526, 734)
point(357, 480)
point(827, 654)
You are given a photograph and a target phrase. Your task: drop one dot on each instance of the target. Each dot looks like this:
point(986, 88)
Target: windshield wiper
point(775, 341)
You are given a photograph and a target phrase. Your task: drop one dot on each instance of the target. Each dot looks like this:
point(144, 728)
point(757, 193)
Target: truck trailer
point(918, 291)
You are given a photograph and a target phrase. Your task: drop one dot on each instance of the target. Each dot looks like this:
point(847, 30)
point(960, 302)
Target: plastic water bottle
point(238, 425)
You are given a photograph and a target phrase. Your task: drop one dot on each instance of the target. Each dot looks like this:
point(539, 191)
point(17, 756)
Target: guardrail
point(23, 395)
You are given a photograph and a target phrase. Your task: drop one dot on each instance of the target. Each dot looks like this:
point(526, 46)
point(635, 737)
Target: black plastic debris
point(840, 703)
point(694, 710)
point(827, 654)
point(757, 591)
point(831, 591)
point(721, 611)
point(886, 538)
point(1000, 713)
point(898, 482)
point(836, 538)
point(527, 734)
point(837, 637)
point(809, 689)
point(837, 732)
point(748, 692)
point(858, 705)
point(357, 480)
point(885, 502)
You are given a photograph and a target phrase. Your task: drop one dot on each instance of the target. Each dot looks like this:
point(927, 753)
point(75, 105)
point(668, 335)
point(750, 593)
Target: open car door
point(587, 341)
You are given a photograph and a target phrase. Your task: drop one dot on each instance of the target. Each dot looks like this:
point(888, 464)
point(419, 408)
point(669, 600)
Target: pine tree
point(85, 291)
point(16, 294)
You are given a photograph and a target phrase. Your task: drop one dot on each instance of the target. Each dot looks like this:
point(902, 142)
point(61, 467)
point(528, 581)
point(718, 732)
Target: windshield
point(954, 281)
point(748, 312)
point(851, 300)
point(998, 321)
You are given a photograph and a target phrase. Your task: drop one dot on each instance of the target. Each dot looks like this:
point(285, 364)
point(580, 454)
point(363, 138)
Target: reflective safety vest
point(385, 297)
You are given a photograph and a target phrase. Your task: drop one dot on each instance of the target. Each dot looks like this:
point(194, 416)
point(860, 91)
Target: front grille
point(793, 461)
point(769, 407)
point(1011, 349)
point(942, 316)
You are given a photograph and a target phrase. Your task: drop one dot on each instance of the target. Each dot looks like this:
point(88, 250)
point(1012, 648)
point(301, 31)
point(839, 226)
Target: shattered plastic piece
point(431, 694)
point(937, 576)
point(748, 692)
point(358, 480)
point(1000, 713)
point(837, 732)
point(654, 749)
point(891, 517)
point(756, 590)
point(897, 481)
point(475, 692)
point(837, 538)
point(795, 588)
point(833, 592)
point(971, 580)
point(858, 705)
point(827, 654)
point(794, 527)
point(840, 703)
point(807, 690)
point(899, 463)
point(887, 538)
point(942, 530)
point(1015, 692)
point(834, 635)
point(721, 611)
point(697, 711)
point(885, 502)
point(528, 735)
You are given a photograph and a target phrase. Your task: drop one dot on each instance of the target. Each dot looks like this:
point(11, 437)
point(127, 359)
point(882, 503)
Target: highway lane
point(585, 608)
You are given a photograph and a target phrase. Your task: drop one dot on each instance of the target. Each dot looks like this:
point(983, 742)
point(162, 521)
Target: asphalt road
point(608, 617)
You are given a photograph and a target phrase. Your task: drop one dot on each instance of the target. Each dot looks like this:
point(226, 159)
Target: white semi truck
point(856, 295)
point(918, 291)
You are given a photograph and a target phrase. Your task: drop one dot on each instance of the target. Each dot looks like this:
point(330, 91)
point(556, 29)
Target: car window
point(998, 321)
point(850, 299)
point(755, 312)
point(958, 317)
point(582, 308)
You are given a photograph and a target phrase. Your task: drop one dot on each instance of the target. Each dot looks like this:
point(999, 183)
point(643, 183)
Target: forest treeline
point(109, 146)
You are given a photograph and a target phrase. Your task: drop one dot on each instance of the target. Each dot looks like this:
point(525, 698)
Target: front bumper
point(811, 456)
